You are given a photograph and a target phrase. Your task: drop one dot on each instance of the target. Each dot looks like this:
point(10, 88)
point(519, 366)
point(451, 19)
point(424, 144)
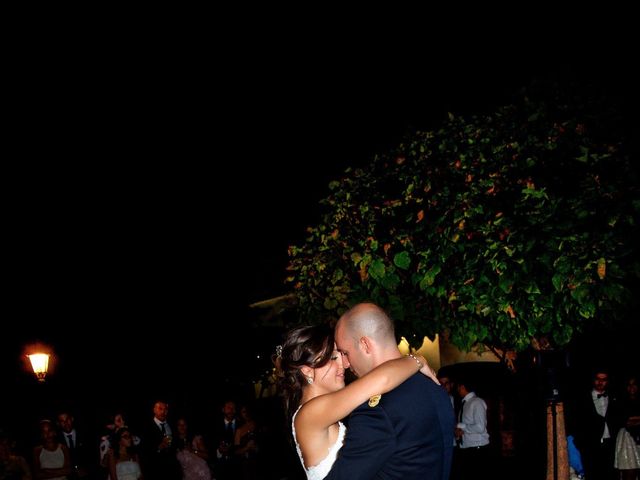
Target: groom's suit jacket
point(407, 435)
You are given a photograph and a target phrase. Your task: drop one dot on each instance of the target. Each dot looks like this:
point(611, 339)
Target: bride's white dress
point(321, 470)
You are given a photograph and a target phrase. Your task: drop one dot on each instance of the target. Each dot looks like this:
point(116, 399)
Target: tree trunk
point(557, 456)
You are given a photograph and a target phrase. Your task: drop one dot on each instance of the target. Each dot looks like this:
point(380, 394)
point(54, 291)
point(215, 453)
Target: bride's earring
point(309, 380)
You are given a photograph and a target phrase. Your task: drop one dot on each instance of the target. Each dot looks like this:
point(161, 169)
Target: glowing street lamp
point(40, 364)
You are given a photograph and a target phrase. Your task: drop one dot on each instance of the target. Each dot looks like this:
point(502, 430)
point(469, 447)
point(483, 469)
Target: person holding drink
point(159, 459)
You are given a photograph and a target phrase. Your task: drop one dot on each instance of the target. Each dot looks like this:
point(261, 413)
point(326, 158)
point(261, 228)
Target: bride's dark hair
point(309, 345)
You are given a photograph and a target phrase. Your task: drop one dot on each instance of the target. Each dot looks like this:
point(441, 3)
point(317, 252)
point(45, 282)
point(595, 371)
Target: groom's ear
point(365, 344)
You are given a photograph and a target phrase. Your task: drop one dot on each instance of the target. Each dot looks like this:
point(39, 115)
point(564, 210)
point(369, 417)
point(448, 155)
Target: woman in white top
point(117, 421)
point(51, 459)
point(122, 459)
point(312, 376)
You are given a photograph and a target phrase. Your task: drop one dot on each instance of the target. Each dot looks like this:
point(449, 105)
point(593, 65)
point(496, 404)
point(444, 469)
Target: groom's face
point(352, 357)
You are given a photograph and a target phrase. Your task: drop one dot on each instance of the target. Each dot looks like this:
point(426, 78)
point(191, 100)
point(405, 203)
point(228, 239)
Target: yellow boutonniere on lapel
point(373, 401)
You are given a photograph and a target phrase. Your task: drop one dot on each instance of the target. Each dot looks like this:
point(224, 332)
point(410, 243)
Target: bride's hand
point(427, 370)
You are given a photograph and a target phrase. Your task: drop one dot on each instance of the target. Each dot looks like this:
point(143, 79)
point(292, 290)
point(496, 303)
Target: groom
point(406, 433)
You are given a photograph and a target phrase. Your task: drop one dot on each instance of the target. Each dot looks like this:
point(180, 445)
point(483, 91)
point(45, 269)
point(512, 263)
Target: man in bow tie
point(595, 425)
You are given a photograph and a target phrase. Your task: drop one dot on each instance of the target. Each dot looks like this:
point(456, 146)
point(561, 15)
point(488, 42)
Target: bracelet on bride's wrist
point(420, 364)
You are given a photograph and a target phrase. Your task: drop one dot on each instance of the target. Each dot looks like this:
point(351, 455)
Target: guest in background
point(447, 383)
point(226, 466)
point(122, 458)
point(12, 466)
point(158, 457)
point(471, 432)
point(627, 454)
point(595, 428)
point(115, 422)
point(51, 460)
point(192, 453)
point(245, 445)
point(80, 453)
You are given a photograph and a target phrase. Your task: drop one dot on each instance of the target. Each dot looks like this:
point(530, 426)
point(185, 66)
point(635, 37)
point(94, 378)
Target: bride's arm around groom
point(407, 433)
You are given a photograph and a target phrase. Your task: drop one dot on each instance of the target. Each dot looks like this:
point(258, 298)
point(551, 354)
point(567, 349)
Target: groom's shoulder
point(418, 386)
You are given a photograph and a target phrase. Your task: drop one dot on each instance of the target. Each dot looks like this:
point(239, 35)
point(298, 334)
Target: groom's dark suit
point(408, 435)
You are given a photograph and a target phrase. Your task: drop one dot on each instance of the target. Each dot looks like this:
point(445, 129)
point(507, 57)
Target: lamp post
point(40, 364)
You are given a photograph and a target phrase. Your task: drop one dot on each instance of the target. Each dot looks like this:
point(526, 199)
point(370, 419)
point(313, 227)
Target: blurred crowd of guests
point(603, 430)
point(603, 426)
point(235, 446)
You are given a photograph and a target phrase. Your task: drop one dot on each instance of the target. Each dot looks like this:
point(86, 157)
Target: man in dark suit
point(595, 425)
point(158, 457)
point(82, 455)
point(404, 434)
point(225, 463)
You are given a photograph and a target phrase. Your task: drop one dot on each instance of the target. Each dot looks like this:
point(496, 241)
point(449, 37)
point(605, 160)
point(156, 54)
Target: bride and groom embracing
point(400, 423)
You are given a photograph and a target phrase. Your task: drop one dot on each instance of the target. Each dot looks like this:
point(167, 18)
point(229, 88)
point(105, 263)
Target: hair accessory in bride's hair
point(276, 358)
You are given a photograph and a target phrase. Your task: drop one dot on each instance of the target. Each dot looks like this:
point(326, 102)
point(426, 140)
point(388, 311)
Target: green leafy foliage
point(497, 229)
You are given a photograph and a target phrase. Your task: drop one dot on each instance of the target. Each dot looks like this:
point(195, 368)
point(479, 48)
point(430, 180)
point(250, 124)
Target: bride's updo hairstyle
point(309, 345)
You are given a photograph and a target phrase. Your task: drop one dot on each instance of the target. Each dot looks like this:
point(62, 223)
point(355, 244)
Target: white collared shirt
point(601, 404)
point(72, 433)
point(473, 422)
point(167, 428)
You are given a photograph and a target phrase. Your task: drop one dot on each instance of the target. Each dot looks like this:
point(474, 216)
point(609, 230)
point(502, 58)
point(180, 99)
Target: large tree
point(502, 229)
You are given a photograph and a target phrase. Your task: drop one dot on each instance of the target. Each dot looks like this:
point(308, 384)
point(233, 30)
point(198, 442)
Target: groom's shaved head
point(369, 320)
point(365, 337)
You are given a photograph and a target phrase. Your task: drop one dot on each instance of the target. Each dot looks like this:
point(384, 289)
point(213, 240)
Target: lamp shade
point(40, 364)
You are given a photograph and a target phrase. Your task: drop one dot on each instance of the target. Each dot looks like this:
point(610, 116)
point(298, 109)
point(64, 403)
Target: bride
point(315, 396)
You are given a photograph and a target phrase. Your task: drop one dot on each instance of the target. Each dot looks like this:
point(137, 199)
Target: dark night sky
point(149, 189)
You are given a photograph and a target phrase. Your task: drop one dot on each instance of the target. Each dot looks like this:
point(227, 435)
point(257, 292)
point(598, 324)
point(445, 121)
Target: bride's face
point(331, 375)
